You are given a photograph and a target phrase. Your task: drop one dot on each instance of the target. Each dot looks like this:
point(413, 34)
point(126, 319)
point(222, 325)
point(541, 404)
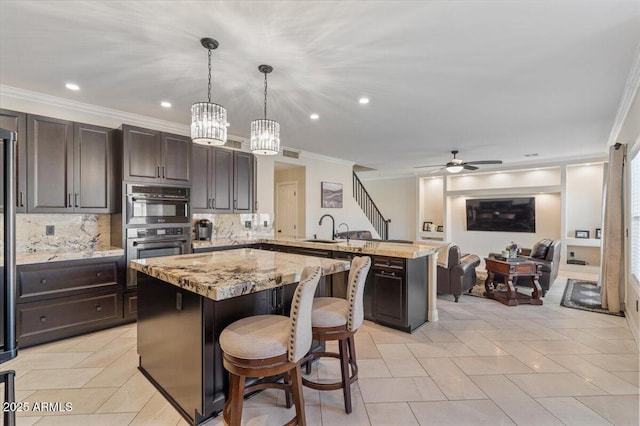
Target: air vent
point(233, 144)
point(290, 154)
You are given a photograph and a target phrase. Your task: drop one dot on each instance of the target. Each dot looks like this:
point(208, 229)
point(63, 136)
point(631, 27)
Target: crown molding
point(631, 90)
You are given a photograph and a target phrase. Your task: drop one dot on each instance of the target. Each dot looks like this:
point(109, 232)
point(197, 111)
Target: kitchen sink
point(320, 240)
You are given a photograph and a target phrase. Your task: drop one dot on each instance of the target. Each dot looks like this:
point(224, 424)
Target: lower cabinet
point(130, 306)
point(396, 292)
point(62, 299)
point(49, 320)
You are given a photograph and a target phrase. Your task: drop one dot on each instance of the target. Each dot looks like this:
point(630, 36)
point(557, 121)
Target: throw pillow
point(540, 249)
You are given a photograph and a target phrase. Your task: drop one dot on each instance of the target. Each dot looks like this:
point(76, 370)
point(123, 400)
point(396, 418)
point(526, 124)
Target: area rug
point(584, 295)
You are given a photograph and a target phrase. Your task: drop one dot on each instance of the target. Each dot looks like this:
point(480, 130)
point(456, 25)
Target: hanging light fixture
point(265, 134)
point(209, 120)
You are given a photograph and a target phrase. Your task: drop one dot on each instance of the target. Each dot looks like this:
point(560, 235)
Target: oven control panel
point(158, 232)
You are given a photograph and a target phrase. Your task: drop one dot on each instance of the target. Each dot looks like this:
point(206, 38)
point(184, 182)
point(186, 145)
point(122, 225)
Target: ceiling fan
point(456, 165)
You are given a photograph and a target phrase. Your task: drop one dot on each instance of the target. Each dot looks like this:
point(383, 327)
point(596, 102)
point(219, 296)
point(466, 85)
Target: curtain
point(612, 253)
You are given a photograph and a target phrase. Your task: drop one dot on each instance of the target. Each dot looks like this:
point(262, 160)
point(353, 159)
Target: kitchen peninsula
point(184, 303)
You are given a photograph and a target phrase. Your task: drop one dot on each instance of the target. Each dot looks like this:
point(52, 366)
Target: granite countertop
point(379, 248)
point(230, 273)
point(61, 255)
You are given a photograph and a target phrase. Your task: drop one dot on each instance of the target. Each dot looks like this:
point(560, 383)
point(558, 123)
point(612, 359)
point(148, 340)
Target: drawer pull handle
point(43, 319)
point(43, 281)
point(98, 308)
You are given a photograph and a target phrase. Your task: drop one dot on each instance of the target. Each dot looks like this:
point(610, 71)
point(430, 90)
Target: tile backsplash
point(232, 226)
point(71, 232)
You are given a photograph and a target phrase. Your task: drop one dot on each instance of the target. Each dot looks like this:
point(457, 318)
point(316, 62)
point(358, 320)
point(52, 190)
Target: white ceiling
point(494, 79)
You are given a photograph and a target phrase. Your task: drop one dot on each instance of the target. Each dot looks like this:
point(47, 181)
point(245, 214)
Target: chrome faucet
point(333, 225)
point(347, 226)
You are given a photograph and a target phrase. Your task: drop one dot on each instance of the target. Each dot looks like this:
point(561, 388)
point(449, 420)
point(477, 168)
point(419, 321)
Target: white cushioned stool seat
point(329, 312)
point(257, 337)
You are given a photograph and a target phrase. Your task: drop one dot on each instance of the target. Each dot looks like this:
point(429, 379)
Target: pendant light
point(265, 134)
point(209, 120)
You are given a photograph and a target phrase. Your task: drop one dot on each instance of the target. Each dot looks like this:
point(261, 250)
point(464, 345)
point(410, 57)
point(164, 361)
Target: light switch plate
point(247, 224)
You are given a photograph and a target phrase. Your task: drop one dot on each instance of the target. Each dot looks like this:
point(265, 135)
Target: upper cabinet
point(153, 156)
point(17, 122)
point(223, 181)
point(69, 167)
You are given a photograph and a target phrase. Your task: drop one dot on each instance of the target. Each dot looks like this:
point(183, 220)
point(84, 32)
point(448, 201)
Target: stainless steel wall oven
point(147, 205)
point(143, 243)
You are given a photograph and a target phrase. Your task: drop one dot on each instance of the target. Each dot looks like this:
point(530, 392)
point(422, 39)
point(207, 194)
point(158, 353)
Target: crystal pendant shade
point(265, 137)
point(208, 123)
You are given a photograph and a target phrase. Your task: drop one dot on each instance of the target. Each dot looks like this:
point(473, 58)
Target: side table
point(506, 271)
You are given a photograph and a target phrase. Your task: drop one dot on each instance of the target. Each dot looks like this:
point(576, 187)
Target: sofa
point(366, 235)
point(456, 271)
point(547, 253)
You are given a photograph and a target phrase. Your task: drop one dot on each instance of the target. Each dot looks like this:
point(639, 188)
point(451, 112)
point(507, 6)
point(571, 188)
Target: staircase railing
point(369, 208)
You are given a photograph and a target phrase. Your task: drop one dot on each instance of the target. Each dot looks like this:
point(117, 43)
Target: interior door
point(287, 209)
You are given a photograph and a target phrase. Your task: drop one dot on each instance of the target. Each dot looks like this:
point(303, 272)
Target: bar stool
point(338, 319)
point(270, 345)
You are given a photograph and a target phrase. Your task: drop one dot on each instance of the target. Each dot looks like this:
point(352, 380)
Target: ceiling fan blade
point(436, 170)
point(485, 162)
point(468, 167)
point(430, 165)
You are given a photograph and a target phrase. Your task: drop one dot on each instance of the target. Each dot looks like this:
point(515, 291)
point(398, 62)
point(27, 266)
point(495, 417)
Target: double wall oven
point(157, 223)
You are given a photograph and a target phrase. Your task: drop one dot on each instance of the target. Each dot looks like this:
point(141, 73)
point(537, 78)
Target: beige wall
point(298, 175)
point(396, 199)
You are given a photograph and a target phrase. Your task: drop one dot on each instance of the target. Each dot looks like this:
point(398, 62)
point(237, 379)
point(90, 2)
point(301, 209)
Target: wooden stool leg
point(296, 388)
point(287, 391)
point(344, 367)
point(236, 395)
point(352, 349)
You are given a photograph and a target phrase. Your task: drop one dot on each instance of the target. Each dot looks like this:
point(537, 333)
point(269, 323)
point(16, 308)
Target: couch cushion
point(539, 250)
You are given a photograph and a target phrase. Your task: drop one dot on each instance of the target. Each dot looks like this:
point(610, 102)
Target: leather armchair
point(547, 253)
point(456, 272)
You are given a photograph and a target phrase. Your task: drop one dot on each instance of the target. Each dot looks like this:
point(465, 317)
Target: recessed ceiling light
point(165, 104)
point(72, 86)
point(363, 101)
point(314, 116)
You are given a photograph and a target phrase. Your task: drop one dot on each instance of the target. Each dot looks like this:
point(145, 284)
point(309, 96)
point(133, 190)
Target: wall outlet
point(266, 223)
point(247, 224)
point(572, 253)
point(49, 230)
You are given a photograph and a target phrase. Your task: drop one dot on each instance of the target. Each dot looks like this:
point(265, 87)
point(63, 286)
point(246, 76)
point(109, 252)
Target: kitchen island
point(401, 289)
point(184, 303)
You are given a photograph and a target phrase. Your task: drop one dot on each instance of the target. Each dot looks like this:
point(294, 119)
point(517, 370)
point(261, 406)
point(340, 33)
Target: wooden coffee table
point(506, 271)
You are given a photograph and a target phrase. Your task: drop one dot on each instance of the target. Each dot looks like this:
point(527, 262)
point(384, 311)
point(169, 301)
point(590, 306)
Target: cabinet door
point(243, 182)
point(49, 165)
point(222, 181)
point(176, 159)
point(17, 122)
point(93, 164)
point(201, 162)
point(389, 298)
point(142, 154)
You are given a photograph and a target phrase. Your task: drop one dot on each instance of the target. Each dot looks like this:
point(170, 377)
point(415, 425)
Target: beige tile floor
point(483, 363)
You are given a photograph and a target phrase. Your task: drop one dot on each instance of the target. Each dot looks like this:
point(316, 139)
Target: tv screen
point(502, 214)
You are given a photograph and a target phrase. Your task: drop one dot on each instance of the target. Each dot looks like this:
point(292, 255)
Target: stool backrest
point(301, 306)
point(355, 291)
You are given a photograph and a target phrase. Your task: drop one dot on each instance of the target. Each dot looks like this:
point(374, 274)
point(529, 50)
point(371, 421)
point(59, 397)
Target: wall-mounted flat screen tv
point(502, 214)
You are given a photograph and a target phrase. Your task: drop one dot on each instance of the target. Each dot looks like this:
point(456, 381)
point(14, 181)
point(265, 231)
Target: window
point(635, 217)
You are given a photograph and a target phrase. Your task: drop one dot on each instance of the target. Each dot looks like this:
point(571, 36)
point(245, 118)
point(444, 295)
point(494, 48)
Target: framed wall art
point(331, 195)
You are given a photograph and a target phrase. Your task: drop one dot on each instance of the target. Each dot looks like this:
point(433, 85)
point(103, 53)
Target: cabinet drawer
point(389, 263)
point(44, 321)
point(38, 282)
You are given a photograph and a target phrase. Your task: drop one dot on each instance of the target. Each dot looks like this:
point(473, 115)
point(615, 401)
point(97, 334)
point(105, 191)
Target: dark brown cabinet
point(223, 181)
point(396, 292)
point(17, 122)
point(69, 167)
point(153, 156)
point(61, 299)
